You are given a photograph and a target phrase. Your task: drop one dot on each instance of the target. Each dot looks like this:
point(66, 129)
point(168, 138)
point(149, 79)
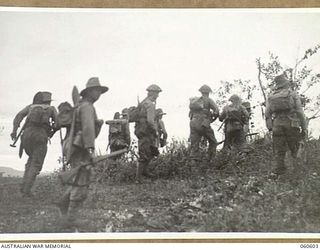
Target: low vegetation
point(235, 193)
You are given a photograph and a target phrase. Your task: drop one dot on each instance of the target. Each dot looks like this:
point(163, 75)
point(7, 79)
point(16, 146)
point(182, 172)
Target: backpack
point(38, 114)
point(134, 113)
point(196, 104)
point(234, 114)
point(65, 114)
point(281, 101)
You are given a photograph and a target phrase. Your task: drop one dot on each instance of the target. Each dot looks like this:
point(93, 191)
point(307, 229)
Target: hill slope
point(234, 194)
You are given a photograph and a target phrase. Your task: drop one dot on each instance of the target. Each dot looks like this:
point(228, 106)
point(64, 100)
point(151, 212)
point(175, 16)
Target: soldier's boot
point(71, 220)
point(212, 150)
point(146, 172)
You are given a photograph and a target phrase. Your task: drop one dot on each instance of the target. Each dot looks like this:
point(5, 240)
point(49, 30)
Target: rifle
point(116, 121)
point(68, 177)
point(19, 135)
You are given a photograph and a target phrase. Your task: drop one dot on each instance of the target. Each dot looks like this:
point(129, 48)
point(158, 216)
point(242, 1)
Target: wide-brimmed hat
point(160, 112)
point(94, 82)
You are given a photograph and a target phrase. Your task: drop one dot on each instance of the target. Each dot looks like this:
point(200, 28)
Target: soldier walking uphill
point(40, 125)
point(86, 129)
point(119, 133)
point(162, 132)
point(235, 117)
point(284, 117)
point(203, 111)
point(146, 132)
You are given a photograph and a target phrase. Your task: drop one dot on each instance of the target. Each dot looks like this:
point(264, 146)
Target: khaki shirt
point(87, 123)
point(25, 111)
point(210, 108)
point(149, 112)
point(296, 114)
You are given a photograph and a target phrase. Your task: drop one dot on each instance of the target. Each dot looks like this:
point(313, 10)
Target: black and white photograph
point(184, 121)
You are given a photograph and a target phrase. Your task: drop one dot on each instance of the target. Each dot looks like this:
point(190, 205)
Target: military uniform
point(236, 118)
point(200, 121)
point(119, 135)
point(285, 125)
point(35, 136)
point(161, 129)
point(146, 132)
point(87, 128)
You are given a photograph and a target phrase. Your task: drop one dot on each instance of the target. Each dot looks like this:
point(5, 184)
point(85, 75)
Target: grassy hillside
point(236, 193)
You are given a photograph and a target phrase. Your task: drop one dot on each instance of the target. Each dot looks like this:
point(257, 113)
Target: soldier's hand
point(13, 135)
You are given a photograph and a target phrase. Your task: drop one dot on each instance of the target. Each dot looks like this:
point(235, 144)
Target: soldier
point(87, 128)
point(235, 117)
point(284, 117)
point(146, 132)
point(162, 132)
point(203, 111)
point(40, 125)
point(119, 133)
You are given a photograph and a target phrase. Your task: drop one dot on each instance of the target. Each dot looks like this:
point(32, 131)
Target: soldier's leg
point(78, 191)
point(64, 201)
point(209, 134)
point(78, 195)
point(279, 149)
point(37, 158)
point(25, 174)
point(195, 138)
point(293, 137)
point(145, 155)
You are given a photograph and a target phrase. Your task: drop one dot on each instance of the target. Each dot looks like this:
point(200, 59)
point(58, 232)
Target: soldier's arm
point(19, 117)
point(223, 115)
point(87, 119)
point(151, 114)
point(53, 123)
point(214, 108)
point(245, 115)
point(163, 129)
point(300, 112)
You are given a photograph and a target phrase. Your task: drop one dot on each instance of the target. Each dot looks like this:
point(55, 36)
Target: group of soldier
point(287, 126)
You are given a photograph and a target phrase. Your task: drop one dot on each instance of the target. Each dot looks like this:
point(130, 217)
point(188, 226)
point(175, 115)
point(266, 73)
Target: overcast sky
point(129, 49)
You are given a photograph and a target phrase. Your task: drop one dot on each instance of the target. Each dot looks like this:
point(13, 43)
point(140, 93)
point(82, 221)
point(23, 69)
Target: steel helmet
point(154, 87)
point(205, 89)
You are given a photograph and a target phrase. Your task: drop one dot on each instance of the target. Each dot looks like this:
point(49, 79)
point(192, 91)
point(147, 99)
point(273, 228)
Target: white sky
point(129, 49)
